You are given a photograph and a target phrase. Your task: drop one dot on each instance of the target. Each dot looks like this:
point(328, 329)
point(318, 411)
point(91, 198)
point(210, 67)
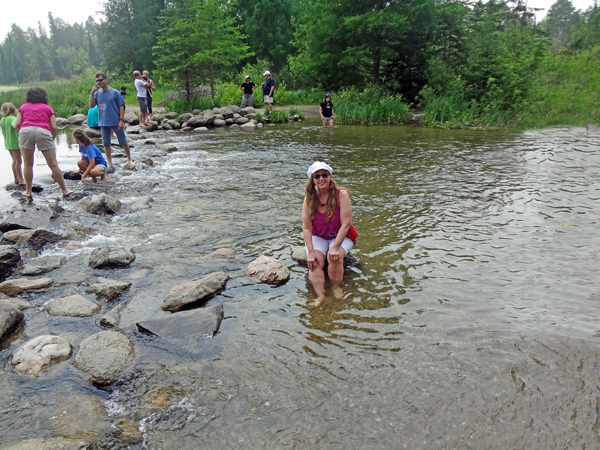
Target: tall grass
point(371, 106)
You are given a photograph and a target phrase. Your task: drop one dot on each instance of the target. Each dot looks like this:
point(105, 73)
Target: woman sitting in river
point(326, 219)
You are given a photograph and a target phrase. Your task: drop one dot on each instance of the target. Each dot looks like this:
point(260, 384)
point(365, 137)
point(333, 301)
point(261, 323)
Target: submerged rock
point(19, 286)
point(248, 125)
point(108, 258)
point(42, 265)
point(113, 317)
point(221, 253)
point(104, 356)
point(73, 306)
point(101, 204)
point(10, 316)
point(9, 258)
point(37, 354)
point(198, 323)
point(108, 288)
point(48, 444)
point(141, 203)
point(268, 270)
point(36, 239)
point(188, 293)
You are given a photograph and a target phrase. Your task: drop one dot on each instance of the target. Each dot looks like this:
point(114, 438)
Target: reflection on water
point(469, 321)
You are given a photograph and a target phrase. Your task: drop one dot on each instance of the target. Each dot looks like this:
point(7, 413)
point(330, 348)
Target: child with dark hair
point(123, 92)
point(37, 128)
point(11, 140)
point(92, 162)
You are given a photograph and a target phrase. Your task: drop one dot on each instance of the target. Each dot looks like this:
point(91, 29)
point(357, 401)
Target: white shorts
point(323, 245)
point(267, 99)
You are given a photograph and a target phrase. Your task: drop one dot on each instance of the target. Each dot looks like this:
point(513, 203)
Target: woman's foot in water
point(337, 292)
point(316, 302)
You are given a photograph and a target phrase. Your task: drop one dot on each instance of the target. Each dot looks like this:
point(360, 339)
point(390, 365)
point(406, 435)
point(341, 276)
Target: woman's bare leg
point(27, 170)
point(50, 156)
point(317, 278)
point(336, 273)
point(16, 166)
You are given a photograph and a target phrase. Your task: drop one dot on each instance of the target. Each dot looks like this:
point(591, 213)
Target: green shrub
point(371, 106)
point(296, 112)
point(278, 117)
point(181, 104)
point(259, 117)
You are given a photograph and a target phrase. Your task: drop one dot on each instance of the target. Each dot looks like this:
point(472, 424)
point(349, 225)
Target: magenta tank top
point(36, 115)
point(327, 230)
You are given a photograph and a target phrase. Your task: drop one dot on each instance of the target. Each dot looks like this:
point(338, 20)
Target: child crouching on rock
point(92, 162)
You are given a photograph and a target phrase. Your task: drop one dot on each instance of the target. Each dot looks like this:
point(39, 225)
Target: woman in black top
point(247, 88)
point(327, 111)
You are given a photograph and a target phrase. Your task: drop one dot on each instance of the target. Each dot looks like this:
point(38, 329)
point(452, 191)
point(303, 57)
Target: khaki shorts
point(30, 137)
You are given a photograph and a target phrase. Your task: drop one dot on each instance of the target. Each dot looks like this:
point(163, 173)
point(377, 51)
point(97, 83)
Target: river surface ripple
point(469, 321)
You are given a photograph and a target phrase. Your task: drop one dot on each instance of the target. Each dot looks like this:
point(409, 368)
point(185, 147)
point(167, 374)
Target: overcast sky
point(28, 13)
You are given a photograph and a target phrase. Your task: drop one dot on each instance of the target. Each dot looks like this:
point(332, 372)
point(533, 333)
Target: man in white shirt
point(140, 87)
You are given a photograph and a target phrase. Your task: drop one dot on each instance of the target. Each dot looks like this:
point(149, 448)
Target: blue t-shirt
point(92, 117)
point(91, 151)
point(267, 86)
point(108, 107)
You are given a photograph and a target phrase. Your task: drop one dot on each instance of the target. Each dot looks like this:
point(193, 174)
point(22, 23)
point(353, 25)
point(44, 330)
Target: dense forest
point(463, 61)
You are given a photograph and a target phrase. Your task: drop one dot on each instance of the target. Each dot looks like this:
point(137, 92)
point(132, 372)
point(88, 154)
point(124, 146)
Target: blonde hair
point(8, 109)
point(312, 198)
point(136, 73)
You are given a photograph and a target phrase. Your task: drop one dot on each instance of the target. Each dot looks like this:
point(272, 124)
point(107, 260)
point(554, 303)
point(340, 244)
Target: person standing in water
point(327, 112)
point(37, 128)
point(111, 109)
point(326, 220)
point(11, 140)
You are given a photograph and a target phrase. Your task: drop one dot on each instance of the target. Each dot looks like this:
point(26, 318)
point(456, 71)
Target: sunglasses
point(101, 79)
point(316, 176)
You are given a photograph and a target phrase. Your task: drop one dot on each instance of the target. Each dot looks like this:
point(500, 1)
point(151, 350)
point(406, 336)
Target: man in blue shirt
point(111, 109)
point(268, 88)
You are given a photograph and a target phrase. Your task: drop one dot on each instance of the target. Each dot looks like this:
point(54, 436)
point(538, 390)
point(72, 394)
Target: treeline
point(465, 62)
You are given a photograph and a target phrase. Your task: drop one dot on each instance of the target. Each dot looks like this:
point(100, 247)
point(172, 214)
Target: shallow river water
point(470, 320)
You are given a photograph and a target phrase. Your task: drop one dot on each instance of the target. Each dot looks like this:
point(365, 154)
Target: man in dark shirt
point(268, 89)
point(247, 88)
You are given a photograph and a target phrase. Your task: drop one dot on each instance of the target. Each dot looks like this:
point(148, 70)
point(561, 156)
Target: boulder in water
point(184, 117)
point(299, 255)
point(198, 323)
point(108, 288)
point(92, 133)
point(37, 354)
point(268, 270)
point(61, 122)
point(104, 356)
point(9, 258)
point(36, 239)
point(219, 123)
point(101, 204)
point(110, 257)
point(30, 216)
point(18, 286)
point(191, 292)
point(10, 316)
point(73, 306)
point(77, 119)
point(42, 265)
point(131, 118)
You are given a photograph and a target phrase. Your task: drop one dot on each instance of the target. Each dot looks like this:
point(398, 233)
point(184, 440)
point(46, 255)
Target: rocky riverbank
point(93, 289)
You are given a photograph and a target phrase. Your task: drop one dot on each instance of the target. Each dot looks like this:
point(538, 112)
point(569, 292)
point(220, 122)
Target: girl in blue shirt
point(92, 162)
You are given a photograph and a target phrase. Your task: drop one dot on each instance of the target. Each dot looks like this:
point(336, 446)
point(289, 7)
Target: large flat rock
point(27, 216)
point(189, 293)
point(9, 258)
point(72, 306)
point(16, 287)
point(198, 323)
point(42, 265)
point(48, 444)
point(104, 356)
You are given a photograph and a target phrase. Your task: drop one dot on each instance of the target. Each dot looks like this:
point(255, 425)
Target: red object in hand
point(352, 233)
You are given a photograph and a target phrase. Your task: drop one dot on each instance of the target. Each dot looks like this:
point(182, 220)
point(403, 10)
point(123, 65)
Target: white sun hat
point(266, 73)
point(247, 76)
point(318, 165)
